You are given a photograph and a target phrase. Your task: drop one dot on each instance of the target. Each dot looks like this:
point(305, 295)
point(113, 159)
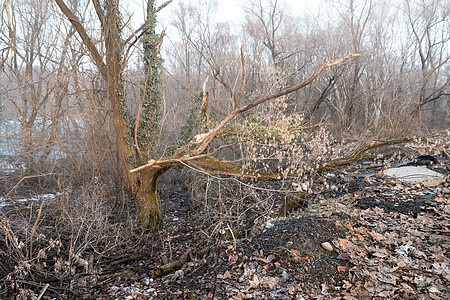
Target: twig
point(232, 235)
point(219, 248)
point(68, 152)
point(34, 227)
point(43, 291)
point(23, 178)
point(244, 69)
point(98, 59)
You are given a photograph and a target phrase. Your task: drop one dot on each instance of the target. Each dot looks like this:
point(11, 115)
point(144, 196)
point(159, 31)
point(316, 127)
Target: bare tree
point(142, 181)
point(265, 22)
point(37, 75)
point(428, 25)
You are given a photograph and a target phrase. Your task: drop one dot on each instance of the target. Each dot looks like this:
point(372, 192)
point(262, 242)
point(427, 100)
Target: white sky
point(227, 10)
point(232, 9)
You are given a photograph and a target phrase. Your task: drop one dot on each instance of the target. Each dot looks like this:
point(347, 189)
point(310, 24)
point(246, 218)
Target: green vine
point(196, 122)
point(255, 130)
point(151, 105)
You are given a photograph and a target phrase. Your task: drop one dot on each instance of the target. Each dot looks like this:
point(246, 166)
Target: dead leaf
point(270, 282)
point(347, 284)
point(255, 281)
point(298, 255)
point(342, 268)
point(380, 255)
point(225, 275)
point(267, 260)
point(343, 256)
point(291, 290)
point(395, 268)
point(344, 241)
point(376, 236)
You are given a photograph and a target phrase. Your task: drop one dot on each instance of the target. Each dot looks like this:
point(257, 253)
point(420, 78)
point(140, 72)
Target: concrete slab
point(413, 174)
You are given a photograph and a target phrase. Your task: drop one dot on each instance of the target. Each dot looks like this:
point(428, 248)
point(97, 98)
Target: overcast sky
point(232, 9)
point(227, 10)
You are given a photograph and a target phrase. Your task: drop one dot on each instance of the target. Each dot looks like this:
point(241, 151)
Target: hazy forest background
point(57, 134)
point(54, 110)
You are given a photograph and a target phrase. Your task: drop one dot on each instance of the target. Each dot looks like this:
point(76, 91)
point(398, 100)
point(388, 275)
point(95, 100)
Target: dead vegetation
point(244, 160)
point(81, 242)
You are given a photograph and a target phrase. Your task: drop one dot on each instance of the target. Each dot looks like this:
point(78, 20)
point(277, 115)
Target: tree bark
point(147, 199)
point(143, 185)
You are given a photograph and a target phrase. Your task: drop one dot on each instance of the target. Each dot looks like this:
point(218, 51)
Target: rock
point(413, 174)
point(284, 274)
point(433, 289)
point(327, 246)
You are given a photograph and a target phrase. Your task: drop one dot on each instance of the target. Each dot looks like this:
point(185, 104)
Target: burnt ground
point(368, 221)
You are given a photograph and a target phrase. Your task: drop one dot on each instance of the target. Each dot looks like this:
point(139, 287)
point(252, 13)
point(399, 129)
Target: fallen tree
point(359, 153)
point(136, 135)
point(214, 166)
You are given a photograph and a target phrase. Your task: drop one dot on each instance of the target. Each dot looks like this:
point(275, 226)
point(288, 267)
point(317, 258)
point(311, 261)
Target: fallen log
point(171, 267)
point(215, 166)
point(359, 153)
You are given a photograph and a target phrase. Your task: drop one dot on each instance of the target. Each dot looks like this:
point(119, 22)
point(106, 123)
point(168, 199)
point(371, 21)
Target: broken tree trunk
point(214, 166)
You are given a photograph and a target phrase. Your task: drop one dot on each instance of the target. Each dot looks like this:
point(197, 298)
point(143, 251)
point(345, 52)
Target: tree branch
point(359, 153)
point(99, 11)
point(212, 133)
point(214, 166)
point(84, 36)
point(244, 70)
point(136, 35)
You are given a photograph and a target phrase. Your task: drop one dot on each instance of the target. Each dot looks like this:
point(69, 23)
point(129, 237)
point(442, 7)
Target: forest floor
point(386, 240)
point(390, 240)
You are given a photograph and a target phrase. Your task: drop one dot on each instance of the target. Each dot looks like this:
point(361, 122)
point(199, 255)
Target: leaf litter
point(390, 240)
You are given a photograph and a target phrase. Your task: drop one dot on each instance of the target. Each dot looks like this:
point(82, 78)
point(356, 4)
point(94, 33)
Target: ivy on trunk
point(136, 137)
point(135, 140)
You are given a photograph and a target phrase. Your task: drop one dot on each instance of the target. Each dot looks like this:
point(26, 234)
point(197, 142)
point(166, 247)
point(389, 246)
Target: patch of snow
point(413, 174)
point(44, 197)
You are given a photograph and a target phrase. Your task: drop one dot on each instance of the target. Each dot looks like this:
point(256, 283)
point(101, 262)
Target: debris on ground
point(413, 174)
point(365, 237)
point(385, 239)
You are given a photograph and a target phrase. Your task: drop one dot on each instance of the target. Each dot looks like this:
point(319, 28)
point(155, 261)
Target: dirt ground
point(386, 240)
point(390, 240)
